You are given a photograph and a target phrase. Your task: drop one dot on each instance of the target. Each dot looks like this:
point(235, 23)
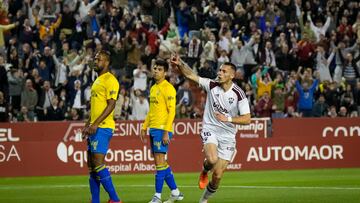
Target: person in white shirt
point(226, 106)
point(140, 77)
point(85, 7)
point(319, 28)
point(140, 107)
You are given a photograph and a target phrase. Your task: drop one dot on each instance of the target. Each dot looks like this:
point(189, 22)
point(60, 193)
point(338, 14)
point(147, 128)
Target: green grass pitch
point(288, 186)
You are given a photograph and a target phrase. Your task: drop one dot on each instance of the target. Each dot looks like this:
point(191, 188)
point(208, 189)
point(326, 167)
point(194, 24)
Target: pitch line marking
point(14, 187)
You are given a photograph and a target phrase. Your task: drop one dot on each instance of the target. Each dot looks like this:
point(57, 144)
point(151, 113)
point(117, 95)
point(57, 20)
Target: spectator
point(48, 29)
point(278, 100)
point(54, 112)
point(119, 104)
point(209, 51)
point(320, 28)
point(194, 49)
point(343, 112)
point(4, 83)
point(24, 115)
point(320, 107)
point(85, 7)
point(140, 106)
point(29, 99)
point(4, 28)
point(74, 115)
point(195, 19)
point(183, 16)
point(45, 98)
point(264, 84)
point(332, 112)
point(3, 108)
point(323, 63)
point(350, 69)
point(264, 105)
point(306, 99)
point(140, 76)
point(77, 96)
point(285, 60)
point(305, 52)
point(181, 111)
point(206, 70)
point(184, 95)
point(160, 13)
point(16, 83)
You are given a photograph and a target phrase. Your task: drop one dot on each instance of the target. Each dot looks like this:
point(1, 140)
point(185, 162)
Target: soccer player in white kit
point(226, 105)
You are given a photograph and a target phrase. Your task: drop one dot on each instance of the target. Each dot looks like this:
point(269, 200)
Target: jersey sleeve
point(112, 88)
point(204, 83)
point(243, 106)
point(170, 99)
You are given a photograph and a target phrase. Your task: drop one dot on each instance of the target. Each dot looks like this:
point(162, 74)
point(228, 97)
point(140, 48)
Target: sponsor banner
point(317, 127)
point(56, 148)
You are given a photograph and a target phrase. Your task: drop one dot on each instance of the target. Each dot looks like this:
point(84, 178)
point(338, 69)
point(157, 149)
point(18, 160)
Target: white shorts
point(226, 147)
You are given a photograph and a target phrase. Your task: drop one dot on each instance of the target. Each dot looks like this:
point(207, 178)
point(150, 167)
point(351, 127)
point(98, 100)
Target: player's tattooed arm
point(184, 68)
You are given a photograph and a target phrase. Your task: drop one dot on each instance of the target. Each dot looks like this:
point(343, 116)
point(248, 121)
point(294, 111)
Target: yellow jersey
point(105, 87)
point(162, 107)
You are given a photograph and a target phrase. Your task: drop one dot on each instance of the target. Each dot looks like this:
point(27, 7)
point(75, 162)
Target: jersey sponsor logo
point(153, 100)
point(219, 108)
point(112, 92)
point(171, 97)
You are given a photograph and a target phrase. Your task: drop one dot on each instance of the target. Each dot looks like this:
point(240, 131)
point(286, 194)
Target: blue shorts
point(157, 146)
point(99, 142)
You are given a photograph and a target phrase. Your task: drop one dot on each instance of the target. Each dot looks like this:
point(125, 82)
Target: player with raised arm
point(99, 129)
point(226, 105)
point(160, 120)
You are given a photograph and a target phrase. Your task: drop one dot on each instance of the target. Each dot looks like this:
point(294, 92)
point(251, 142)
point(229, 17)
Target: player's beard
point(98, 69)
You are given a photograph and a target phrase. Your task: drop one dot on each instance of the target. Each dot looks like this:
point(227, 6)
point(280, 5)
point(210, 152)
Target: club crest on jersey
point(231, 100)
point(216, 95)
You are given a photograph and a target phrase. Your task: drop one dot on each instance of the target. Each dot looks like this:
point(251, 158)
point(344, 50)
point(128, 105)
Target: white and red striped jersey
point(232, 103)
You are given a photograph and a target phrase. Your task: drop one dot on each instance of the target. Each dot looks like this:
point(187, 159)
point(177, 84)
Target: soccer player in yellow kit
point(99, 129)
point(160, 120)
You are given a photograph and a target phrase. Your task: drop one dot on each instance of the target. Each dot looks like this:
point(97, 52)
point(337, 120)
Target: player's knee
point(217, 175)
point(212, 160)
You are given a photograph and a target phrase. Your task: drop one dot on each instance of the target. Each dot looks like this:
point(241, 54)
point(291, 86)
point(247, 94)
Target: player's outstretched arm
point(184, 68)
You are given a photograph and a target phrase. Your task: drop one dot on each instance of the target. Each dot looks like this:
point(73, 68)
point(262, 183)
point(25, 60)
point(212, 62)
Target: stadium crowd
point(294, 58)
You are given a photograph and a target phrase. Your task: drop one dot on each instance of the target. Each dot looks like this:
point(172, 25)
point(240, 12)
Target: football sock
point(169, 179)
point(161, 172)
point(105, 180)
point(94, 187)
point(210, 190)
point(158, 195)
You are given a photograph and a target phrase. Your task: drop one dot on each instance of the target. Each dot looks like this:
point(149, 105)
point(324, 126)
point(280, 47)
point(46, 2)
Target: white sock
point(207, 194)
point(175, 192)
point(158, 195)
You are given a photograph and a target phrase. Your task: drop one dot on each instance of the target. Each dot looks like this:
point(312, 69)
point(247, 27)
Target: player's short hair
point(105, 53)
point(160, 62)
point(231, 65)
